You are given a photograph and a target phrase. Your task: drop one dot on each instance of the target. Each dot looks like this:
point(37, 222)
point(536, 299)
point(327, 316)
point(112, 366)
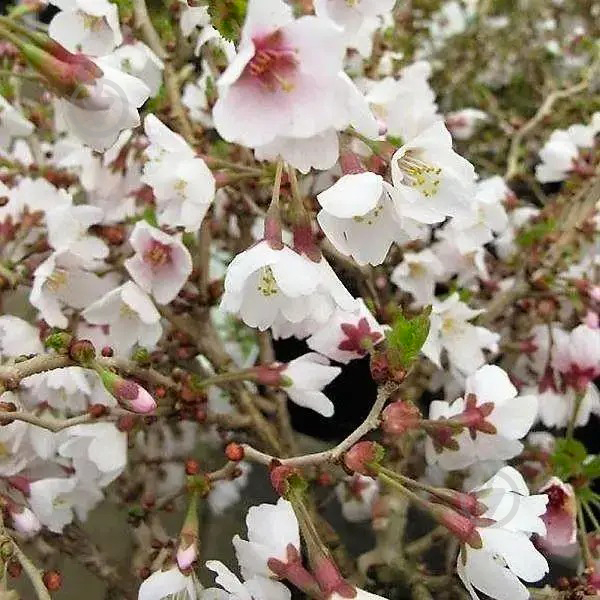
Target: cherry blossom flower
point(12, 124)
point(23, 519)
point(406, 105)
point(347, 335)
point(138, 60)
point(98, 451)
point(66, 389)
point(560, 519)
point(357, 494)
point(431, 181)
point(493, 417)
point(61, 281)
point(486, 218)
point(263, 284)
point(281, 87)
point(88, 26)
point(417, 274)
point(506, 554)
point(256, 588)
point(560, 155)
point(170, 583)
point(182, 184)
point(130, 314)
point(35, 195)
point(99, 111)
point(462, 123)
point(358, 217)
point(224, 494)
point(350, 16)
point(271, 529)
point(68, 230)
point(18, 337)
point(161, 264)
point(463, 342)
point(54, 500)
point(308, 375)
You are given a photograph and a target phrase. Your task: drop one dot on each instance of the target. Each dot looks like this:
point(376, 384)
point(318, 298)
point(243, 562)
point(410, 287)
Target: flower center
point(157, 254)
point(556, 497)
point(57, 279)
point(267, 285)
point(180, 187)
point(419, 174)
point(370, 217)
point(416, 269)
point(273, 64)
point(92, 23)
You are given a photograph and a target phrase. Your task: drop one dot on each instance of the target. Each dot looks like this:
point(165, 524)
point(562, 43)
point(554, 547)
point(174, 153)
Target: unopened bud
point(399, 417)
point(234, 452)
point(462, 527)
point(127, 393)
point(463, 501)
point(24, 519)
point(82, 352)
point(363, 457)
point(52, 580)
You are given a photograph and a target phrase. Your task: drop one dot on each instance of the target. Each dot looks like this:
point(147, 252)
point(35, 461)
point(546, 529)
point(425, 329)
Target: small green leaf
point(406, 338)
point(149, 215)
point(591, 467)
point(568, 458)
point(227, 17)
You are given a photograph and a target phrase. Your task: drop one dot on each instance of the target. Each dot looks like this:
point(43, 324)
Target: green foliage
point(536, 233)
point(406, 338)
point(228, 17)
point(149, 215)
point(571, 460)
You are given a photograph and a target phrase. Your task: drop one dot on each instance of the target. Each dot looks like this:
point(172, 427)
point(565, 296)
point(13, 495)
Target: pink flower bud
point(186, 556)
point(362, 455)
point(331, 581)
point(462, 527)
point(127, 393)
point(399, 417)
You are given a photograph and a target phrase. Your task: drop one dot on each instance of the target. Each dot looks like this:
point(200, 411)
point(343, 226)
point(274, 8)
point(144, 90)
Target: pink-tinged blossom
point(23, 519)
point(161, 263)
point(88, 26)
point(450, 330)
point(494, 419)
point(560, 519)
point(462, 123)
point(130, 315)
point(506, 555)
point(347, 335)
point(308, 375)
point(358, 217)
point(432, 181)
point(264, 285)
point(283, 85)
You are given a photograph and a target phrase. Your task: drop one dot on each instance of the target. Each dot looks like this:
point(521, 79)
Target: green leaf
point(227, 17)
point(406, 338)
point(149, 215)
point(536, 233)
point(568, 458)
point(591, 467)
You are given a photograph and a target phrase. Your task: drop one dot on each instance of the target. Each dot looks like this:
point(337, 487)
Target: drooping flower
point(99, 110)
point(87, 26)
point(560, 519)
point(450, 330)
point(493, 417)
point(358, 217)
point(130, 314)
point(271, 529)
point(506, 555)
point(432, 181)
point(308, 375)
point(347, 335)
point(357, 494)
point(161, 264)
point(264, 284)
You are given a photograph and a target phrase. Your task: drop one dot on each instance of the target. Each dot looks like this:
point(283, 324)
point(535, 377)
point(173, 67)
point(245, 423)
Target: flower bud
point(462, 527)
point(331, 581)
point(284, 479)
point(127, 393)
point(24, 519)
point(361, 457)
point(465, 502)
point(82, 352)
point(399, 417)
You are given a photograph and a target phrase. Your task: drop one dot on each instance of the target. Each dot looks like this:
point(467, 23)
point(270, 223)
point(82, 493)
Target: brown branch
point(333, 454)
